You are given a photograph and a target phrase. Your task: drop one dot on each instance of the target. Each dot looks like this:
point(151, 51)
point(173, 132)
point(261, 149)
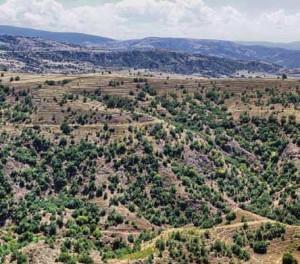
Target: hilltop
point(67, 37)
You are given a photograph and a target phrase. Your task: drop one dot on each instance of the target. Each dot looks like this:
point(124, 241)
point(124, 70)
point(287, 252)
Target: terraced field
point(126, 167)
point(223, 233)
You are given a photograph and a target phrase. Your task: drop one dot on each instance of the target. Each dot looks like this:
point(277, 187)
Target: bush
point(231, 216)
point(50, 82)
point(25, 155)
point(115, 218)
point(65, 128)
point(160, 245)
point(288, 259)
point(20, 258)
point(64, 257)
point(85, 259)
point(260, 247)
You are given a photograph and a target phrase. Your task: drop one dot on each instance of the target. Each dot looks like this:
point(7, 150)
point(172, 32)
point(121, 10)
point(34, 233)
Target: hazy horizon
point(130, 19)
point(166, 37)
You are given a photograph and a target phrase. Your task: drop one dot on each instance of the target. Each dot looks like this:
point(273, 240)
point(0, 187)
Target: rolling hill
point(286, 55)
point(217, 48)
point(69, 37)
point(295, 45)
point(39, 55)
point(134, 168)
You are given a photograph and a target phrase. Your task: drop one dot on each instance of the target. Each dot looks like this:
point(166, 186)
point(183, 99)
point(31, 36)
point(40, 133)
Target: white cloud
point(138, 18)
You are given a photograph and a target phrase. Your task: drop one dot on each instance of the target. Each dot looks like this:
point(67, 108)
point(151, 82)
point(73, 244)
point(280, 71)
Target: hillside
point(283, 54)
point(41, 56)
point(129, 168)
point(68, 37)
point(224, 49)
point(294, 45)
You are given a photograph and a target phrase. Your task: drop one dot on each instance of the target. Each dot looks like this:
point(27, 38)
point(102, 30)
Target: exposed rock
point(40, 56)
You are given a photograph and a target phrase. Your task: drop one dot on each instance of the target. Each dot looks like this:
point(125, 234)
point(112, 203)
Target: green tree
point(260, 247)
point(65, 128)
point(288, 258)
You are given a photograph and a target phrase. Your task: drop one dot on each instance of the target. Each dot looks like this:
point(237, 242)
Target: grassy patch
point(139, 255)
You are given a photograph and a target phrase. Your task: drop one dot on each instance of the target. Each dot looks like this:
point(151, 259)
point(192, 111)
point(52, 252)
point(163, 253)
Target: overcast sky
point(252, 20)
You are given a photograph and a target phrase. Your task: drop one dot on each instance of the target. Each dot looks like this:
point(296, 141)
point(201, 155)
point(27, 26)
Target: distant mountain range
point(295, 45)
point(43, 56)
point(219, 48)
point(73, 38)
point(283, 54)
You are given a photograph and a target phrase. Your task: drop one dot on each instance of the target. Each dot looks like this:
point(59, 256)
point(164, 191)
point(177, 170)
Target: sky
point(243, 20)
